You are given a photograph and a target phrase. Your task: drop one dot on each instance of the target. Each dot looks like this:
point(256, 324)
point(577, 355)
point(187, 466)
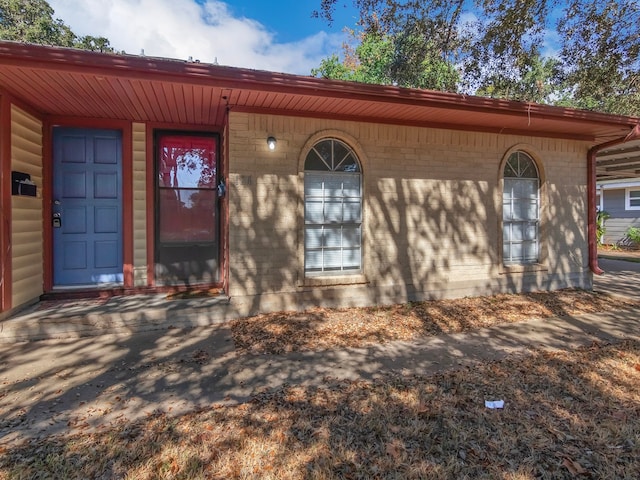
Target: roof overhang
point(619, 162)
point(62, 82)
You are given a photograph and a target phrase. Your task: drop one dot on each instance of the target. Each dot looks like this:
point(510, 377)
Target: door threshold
point(71, 288)
point(118, 289)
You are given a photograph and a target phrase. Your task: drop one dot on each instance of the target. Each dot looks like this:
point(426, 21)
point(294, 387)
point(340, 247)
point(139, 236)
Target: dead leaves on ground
point(324, 328)
point(568, 415)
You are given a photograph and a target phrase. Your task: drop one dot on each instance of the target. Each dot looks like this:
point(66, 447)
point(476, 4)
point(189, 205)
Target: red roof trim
point(66, 59)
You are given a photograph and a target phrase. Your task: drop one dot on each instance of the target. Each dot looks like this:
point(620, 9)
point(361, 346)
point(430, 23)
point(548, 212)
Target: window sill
point(534, 267)
point(327, 281)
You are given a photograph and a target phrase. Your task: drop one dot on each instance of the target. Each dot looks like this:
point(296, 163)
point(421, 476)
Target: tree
point(601, 50)
point(405, 60)
point(498, 46)
point(540, 82)
point(32, 21)
point(368, 62)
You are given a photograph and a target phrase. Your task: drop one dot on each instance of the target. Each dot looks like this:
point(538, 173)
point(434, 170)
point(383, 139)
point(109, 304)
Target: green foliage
point(633, 234)
point(332, 67)
point(600, 49)
point(538, 82)
point(32, 21)
point(388, 60)
point(601, 216)
point(500, 48)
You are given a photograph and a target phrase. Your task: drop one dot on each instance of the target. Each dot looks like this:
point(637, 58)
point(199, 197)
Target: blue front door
point(87, 207)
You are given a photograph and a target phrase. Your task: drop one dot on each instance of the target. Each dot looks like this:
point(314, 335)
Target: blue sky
point(291, 19)
point(279, 36)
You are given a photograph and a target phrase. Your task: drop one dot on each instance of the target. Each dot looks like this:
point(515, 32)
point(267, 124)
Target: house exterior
point(133, 174)
point(621, 200)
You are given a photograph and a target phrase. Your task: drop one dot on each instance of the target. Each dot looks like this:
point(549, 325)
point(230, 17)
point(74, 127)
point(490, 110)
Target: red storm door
point(187, 213)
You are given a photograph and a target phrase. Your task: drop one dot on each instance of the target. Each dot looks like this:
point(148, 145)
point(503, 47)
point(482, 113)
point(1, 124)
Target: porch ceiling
point(73, 83)
point(619, 162)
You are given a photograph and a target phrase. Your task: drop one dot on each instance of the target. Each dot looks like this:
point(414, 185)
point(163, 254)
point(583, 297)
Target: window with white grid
point(632, 199)
point(332, 210)
point(520, 211)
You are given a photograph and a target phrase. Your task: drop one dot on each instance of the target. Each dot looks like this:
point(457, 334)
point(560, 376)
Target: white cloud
point(184, 28)
point(551, 43)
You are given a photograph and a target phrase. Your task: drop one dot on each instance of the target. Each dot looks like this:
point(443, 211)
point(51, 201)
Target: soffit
point(619, 162)
point(72, 83)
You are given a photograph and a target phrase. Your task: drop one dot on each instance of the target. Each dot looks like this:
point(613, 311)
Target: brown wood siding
point(139, 205)
point(26, 220)
point(616, 229)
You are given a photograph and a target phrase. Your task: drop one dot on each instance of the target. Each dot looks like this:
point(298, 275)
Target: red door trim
point(224, 227)
point(47, 207)
point(151, 206)
point(5, 204)
point(125, 128)
point(127, 208)
point(150, 129)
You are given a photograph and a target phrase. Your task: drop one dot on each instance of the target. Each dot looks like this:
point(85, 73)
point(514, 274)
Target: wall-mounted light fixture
point(271, 141)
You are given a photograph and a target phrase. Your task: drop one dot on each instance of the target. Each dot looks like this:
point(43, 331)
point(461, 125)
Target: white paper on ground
point(494, 403)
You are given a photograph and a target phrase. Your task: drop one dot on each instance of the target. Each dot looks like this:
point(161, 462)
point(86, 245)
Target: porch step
point(119, 315)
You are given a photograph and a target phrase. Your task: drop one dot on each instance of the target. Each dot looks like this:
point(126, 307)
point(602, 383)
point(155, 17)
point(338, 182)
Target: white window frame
point(508, 223)
point(599, 198)
point(627, 198)
point(310, 224)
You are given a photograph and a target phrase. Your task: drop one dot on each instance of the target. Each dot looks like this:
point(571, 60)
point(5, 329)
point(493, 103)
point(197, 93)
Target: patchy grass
point(323, 328)
point(566, 415)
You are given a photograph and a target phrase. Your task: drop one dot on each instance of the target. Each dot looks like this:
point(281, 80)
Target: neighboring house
point(134, 174)
point(621, 200)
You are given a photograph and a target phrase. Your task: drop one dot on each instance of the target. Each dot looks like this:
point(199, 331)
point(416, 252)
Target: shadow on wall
point(423, 237)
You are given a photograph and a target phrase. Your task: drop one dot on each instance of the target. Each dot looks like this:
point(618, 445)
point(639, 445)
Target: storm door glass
point(187, 209)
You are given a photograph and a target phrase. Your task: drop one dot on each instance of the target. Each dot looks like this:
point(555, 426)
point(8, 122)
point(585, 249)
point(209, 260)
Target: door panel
point(87, 194)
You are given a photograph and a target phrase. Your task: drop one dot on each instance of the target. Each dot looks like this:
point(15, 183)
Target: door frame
point(223, 203)
point(125, 129)
point(157, 133)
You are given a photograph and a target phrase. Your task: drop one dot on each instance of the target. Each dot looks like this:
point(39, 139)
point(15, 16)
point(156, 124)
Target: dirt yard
point(324, 329)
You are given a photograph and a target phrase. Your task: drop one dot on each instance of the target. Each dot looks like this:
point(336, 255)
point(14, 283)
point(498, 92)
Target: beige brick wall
point(431, 220)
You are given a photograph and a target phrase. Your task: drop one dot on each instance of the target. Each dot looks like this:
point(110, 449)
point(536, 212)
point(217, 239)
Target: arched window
point(332, 210)
point(520, 210)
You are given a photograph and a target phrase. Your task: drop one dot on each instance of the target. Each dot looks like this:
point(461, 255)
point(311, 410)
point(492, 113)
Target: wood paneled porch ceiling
point(619, 162)
point(74, 83)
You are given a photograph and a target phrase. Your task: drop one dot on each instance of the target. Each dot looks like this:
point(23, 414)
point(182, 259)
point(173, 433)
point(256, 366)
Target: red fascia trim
point(148, 68)
point(591, 194)
point(5, 204)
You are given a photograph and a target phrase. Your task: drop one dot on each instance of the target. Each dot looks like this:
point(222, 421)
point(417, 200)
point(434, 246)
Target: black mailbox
point(21, 184)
